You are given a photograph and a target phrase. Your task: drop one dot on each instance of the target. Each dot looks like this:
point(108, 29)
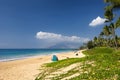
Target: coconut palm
point(117, 24)
point(101, 38)
point(95, 41)
point(111, 5)
point(114, 3)
point(107, 33)
point(112, 30)
point(106, 30)
point(108, 13)
point(101, 34)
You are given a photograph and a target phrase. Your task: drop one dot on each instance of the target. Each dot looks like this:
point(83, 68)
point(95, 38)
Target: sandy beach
point(28, 69)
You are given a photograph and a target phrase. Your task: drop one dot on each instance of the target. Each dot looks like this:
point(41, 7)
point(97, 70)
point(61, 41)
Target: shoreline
point(28, 69)
point(33, 56)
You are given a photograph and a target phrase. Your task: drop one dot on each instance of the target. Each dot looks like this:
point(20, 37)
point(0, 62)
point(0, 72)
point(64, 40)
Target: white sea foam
point(30, 55)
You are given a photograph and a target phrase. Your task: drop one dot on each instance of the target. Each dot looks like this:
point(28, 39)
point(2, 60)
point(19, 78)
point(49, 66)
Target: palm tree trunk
point(115, 41)
point(108, 41)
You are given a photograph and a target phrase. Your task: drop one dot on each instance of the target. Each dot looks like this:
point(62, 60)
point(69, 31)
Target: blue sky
point(21, 20)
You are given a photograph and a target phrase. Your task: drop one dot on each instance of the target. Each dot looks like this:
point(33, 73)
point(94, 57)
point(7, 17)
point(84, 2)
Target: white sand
point(28, 69)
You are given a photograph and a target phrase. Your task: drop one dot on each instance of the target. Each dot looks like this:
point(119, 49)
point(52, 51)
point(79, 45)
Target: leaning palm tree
point(111, 5)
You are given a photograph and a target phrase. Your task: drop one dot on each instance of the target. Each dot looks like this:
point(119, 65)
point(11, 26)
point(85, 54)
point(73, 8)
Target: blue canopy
point(54, 58)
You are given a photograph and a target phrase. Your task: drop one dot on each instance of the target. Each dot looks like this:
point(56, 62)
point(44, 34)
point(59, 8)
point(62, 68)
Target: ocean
point(15, 54)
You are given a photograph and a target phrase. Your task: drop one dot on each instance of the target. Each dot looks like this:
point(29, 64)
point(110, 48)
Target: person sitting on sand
point(76, 53)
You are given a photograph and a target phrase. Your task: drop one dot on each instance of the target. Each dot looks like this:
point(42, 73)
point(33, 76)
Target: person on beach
point(76, 53)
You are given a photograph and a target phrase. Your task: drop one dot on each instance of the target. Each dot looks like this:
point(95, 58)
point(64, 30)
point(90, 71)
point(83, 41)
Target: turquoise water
point(14, 54)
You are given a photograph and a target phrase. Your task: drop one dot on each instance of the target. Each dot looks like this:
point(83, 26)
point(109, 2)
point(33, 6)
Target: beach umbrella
point(54, 58)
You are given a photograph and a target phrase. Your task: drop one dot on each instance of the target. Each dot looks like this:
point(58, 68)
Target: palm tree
point(111, 5)
point(95, 41)
point(117, 24)
point(106, 32)
point(108, 13)
point(101, 38)
point(112, 30)
point(90, 44)
point(119, 41)
point(101, 34)
point(114, 3)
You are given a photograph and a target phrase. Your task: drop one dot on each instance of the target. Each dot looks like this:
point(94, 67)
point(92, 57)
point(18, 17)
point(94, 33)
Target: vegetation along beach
point(60, 40)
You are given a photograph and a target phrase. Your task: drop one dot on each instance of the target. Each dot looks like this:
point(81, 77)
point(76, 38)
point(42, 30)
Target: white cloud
point(53, 38)
point(97, 21)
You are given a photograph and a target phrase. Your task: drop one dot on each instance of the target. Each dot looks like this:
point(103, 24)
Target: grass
point(71, 72)
point(99, 64)
point(63, 63)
